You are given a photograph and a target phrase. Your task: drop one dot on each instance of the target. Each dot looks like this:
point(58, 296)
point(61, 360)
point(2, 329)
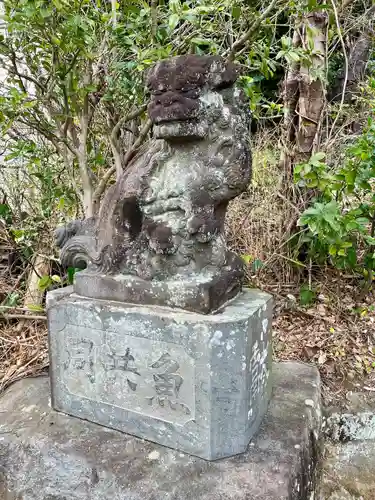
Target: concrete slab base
point(45, 455)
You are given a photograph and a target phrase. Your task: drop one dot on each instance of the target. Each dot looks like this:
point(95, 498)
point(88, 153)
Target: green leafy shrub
point(340, 222)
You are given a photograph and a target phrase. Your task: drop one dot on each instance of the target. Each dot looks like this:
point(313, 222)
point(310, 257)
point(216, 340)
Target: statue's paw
point(202, 228)
point(195, 224)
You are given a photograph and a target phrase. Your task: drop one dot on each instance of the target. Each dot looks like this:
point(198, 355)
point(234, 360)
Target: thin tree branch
point(23, 316)
point(82, 149)
point(100, 188)
point(142, 136)
point(154, 18)
point(345, 4)
point(114, 13)
point(244, 38)
point(104, 181)
point(30, 79)
point(116, 157)
point(127, 118)
point(114, 134)
point(346, 68)
point(15, 71)
point(48, 134)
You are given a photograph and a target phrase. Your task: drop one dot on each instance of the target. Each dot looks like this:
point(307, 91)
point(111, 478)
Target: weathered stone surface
point(163, 220)
point(193, 382)
point(349, 471)
point(351, 427)
point(204, 293)
point(45, 455)
point(349, 463)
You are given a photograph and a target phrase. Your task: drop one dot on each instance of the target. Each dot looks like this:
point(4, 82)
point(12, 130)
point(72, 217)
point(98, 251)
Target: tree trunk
point(304, 93)
point(311, 87)
point(357, 62)
point(33, 295)
point(290, 98)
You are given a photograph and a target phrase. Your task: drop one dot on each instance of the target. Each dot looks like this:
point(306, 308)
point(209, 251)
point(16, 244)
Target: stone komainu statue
point(159, 236)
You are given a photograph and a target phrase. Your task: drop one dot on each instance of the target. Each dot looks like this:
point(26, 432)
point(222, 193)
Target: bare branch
point(127, 118)
point(114, 13)
point(346, 67)
point(114, 134)
point(154, 18)
point(117, 157)
point(345, 3)
point(48, 134)
point(142, 136)
point(82, 149)
point(104, 181)
point(100, 188)
point(14, 70)
point(24, 316)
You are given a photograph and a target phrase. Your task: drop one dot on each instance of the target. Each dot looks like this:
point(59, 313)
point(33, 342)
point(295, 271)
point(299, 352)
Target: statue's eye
point(157, 92)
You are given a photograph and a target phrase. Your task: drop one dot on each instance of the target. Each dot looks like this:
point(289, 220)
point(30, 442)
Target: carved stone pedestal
point(197, 383)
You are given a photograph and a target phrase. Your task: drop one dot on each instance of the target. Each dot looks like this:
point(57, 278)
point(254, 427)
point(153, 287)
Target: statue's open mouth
point(187, 129)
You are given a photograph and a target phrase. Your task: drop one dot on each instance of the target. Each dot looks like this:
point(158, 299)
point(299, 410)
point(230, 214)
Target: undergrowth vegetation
point(341, 218)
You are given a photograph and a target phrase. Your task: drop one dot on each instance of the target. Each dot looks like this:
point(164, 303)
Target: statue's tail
point(80, 252)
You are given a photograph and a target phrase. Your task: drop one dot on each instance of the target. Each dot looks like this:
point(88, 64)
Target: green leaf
point(313, 183)
point(56, 40)
point(306, 296)
point(332, 250)
point(200, 41)
point(350, 176)
point(298, 168)
point(45, 12)
point(44, 282)
point(236, 12)
point(29, 104)
point(256, 265)
point(293, 56)
point(351, 257)
point(12, 299)
point(247, 258)
point(18, 234)
point(173, 21)
point(35, 307)
point(56, 278)
point(174, 5)
point(71, 271)
point(352, 225)
point(317, 157)
point(362, 221)
point(61, 203)
point(11, 156)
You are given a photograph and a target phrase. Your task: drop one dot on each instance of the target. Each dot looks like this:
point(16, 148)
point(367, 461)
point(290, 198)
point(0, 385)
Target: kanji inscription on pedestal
point(152, 378)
